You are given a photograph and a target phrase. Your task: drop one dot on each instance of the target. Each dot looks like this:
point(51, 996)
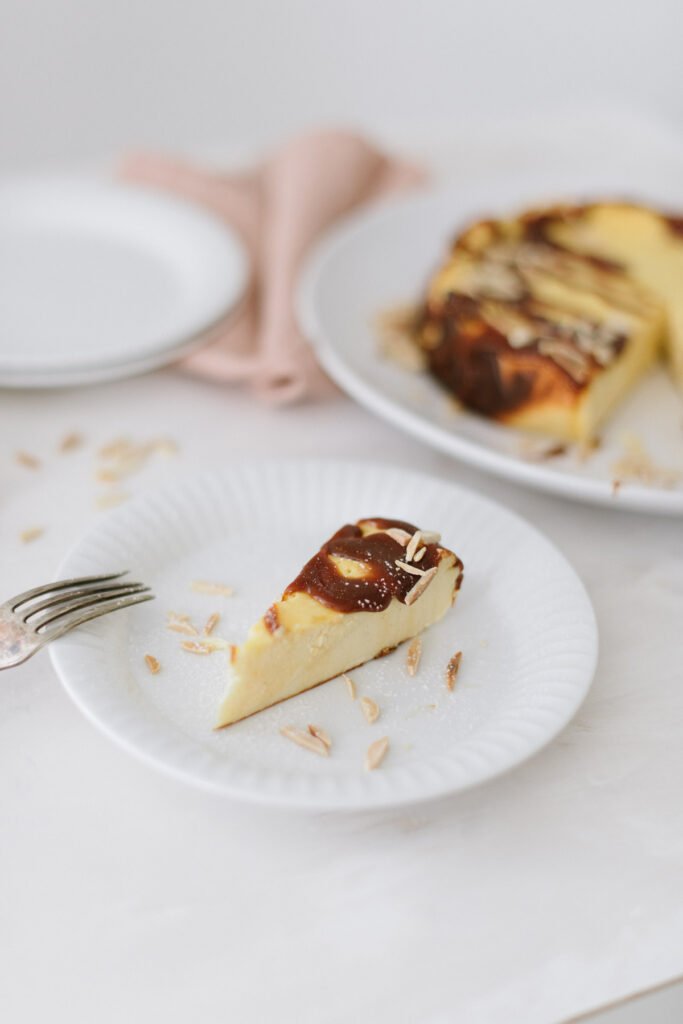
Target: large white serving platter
point(381, 258)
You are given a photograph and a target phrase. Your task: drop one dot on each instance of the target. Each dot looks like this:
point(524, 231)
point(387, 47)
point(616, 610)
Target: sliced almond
point(27, 460)
point(216, 643)
point(452, 669)
point(400, 536)
point(70, 442)
point(370, 709)
point(116, 449)
point(33, 533)
point(111, 498)
point(305, 739)
point(421, 585)
point(417, 557)
point(165, 446)
point(414, 655)
point(214, 589)
point(350, 685)
point(430, 537)
point(412, 569)
point(376, 753)
point(413, 545)
point(320, 734)
point(152, 663)
point(567, 357)
point(196, 647)
point(178, 623)
point(211, 624)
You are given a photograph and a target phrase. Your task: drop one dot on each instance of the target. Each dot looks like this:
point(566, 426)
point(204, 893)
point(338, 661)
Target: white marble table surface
point(126, 895)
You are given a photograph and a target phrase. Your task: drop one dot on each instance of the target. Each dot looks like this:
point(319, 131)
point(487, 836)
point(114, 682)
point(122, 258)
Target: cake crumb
point(637, 465)
point(152, 663)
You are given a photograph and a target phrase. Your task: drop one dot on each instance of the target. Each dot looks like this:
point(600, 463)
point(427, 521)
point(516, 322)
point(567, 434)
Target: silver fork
point(35, 618)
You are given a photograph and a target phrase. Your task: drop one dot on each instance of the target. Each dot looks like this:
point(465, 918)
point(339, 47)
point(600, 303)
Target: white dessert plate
point(100, 279)
point(523, 621)
point(381, 259)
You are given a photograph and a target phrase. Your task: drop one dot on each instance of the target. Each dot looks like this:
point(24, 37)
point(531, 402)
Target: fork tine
point(66, 607)
point(49, 588)
point(112, 589)
point(94, 612)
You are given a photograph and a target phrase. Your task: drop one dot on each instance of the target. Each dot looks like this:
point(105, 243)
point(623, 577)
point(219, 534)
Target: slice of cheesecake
point(370, 587)
point(529, 331)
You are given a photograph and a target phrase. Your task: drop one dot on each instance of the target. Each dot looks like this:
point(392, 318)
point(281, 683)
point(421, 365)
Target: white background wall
point(81, 78)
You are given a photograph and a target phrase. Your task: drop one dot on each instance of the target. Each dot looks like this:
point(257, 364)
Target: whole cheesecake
point(547, 321)
point(373, 585)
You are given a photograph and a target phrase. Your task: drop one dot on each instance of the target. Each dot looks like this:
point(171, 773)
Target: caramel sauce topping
point(379, 578)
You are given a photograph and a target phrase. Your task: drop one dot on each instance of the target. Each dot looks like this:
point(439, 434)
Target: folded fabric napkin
point(279, 208)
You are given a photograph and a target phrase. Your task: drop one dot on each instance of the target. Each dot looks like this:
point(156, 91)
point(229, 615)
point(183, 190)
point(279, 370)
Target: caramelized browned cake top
point(360, 571)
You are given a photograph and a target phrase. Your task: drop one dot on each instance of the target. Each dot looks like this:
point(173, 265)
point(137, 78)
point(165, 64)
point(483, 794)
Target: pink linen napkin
point(279, 208)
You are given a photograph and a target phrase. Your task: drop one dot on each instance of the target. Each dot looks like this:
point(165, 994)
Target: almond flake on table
point(213, 589)
point(452, 669)
point(70, 442)
point(152, 663)
point(376, 753)
point(166, 446)
point(27, 460)
point(124, 457)
point(305, 740)
point(370, 709)
point(111, 498)
point(33, 533)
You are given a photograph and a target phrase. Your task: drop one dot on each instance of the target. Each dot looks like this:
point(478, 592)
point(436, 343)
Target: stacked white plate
point(100, 280)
